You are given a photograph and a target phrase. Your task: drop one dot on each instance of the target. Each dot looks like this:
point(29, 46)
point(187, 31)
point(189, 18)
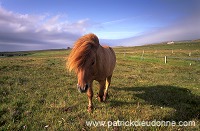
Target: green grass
point(38, 93)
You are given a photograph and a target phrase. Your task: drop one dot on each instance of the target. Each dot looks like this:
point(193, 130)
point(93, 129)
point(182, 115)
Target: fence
point(169, 55)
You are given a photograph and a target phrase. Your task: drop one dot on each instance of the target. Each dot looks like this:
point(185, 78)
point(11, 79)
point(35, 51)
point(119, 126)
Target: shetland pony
point(91, 61)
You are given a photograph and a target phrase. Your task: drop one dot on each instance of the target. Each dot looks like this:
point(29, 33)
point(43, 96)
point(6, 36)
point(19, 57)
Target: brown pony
point(91, 61)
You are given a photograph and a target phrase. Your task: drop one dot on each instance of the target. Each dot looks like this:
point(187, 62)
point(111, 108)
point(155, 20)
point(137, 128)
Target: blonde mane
point(81, 51)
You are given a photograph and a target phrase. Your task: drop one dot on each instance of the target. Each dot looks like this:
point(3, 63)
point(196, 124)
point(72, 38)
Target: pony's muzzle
point(82, 89)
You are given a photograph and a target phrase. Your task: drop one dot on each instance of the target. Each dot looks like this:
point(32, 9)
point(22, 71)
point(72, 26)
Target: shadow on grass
point(186, 104)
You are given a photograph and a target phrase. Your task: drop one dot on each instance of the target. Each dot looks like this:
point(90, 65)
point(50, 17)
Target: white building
point(171, 42)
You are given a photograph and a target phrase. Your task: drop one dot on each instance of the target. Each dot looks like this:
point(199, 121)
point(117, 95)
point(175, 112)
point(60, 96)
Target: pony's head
point(82, 60)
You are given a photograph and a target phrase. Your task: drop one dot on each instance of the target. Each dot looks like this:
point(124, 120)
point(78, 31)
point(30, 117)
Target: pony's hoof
point(90, 109)
point(100, 99)
point(105, 97)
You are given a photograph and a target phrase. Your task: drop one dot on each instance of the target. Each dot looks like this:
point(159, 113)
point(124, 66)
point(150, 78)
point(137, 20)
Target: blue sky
point(44, 24)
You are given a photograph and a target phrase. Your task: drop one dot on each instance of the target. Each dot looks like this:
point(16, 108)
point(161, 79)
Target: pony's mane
point(81, 51)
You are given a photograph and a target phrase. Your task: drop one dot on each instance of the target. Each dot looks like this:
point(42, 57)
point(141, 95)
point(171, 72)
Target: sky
point(56, 24)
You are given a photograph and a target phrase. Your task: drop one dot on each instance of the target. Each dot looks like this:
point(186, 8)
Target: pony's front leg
point(90, 95)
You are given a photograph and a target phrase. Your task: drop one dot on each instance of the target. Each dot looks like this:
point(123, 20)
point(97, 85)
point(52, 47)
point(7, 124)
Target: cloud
point(32, 32)
point(114, 21)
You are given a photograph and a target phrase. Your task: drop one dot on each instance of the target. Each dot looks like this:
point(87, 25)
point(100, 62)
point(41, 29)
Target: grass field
point(38, 93)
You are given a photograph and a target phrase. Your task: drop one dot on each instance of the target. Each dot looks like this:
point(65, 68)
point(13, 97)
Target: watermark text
point(138, 123)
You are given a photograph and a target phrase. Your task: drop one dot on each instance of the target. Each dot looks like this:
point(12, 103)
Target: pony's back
point(106, 60)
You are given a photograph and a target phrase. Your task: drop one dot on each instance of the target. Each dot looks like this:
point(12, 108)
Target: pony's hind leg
point(108, 80)
point(101, 90)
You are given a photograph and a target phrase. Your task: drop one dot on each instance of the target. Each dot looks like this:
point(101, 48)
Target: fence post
point(142, 55)
point(165, 59)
